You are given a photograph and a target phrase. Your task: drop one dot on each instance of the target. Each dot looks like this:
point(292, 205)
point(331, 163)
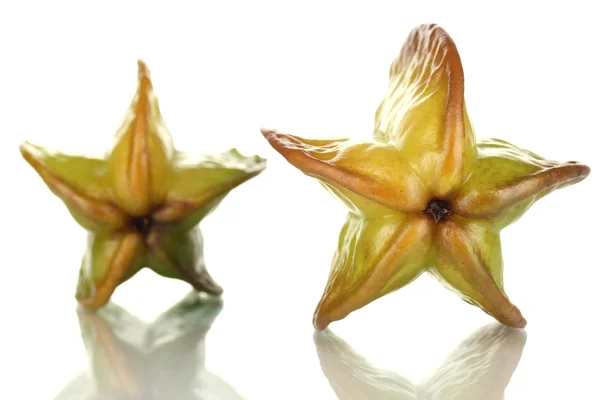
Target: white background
point(221, 72)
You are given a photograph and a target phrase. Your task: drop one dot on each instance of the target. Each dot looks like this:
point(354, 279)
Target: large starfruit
point(423, 195)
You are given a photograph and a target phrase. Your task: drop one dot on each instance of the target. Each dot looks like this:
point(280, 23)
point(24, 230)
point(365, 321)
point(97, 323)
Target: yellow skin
point(142, 202)
point(423, 195)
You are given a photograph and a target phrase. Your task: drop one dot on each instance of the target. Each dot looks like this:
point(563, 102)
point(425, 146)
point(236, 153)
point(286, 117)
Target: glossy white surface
point(221, 73)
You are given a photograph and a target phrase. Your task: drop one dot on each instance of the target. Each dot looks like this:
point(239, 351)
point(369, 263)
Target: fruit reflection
point(479, 368)
point(129, 359)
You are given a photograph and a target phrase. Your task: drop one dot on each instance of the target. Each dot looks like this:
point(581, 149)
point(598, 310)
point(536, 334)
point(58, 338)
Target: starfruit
point(141, 204)
point(423, 194)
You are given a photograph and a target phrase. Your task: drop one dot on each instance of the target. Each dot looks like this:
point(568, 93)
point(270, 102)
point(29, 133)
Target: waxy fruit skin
point(423, 195)
point(141, 204)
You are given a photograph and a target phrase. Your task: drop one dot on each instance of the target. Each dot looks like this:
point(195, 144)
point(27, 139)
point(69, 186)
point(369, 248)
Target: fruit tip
point(516, 319)
point(27, 150)
point(585, 170)
point(320, 323)
point(267, 131)
point(23, 146)
point(143, 71)
point(580, 172)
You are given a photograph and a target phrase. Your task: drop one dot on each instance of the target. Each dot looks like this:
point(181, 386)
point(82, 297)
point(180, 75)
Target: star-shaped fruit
point(423, 194)
point(141, 203)
point(132, 360)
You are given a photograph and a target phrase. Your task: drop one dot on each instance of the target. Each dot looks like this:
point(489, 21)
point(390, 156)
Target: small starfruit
point(423, 195)
point(141, 204)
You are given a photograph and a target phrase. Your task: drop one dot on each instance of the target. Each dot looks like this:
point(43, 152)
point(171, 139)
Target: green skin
point(423, 195)
point(132, 360)
point(141, 204)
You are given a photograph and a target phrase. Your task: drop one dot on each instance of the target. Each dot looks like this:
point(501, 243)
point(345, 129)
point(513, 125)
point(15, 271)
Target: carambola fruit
point(423, 195)
point(142, 202)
